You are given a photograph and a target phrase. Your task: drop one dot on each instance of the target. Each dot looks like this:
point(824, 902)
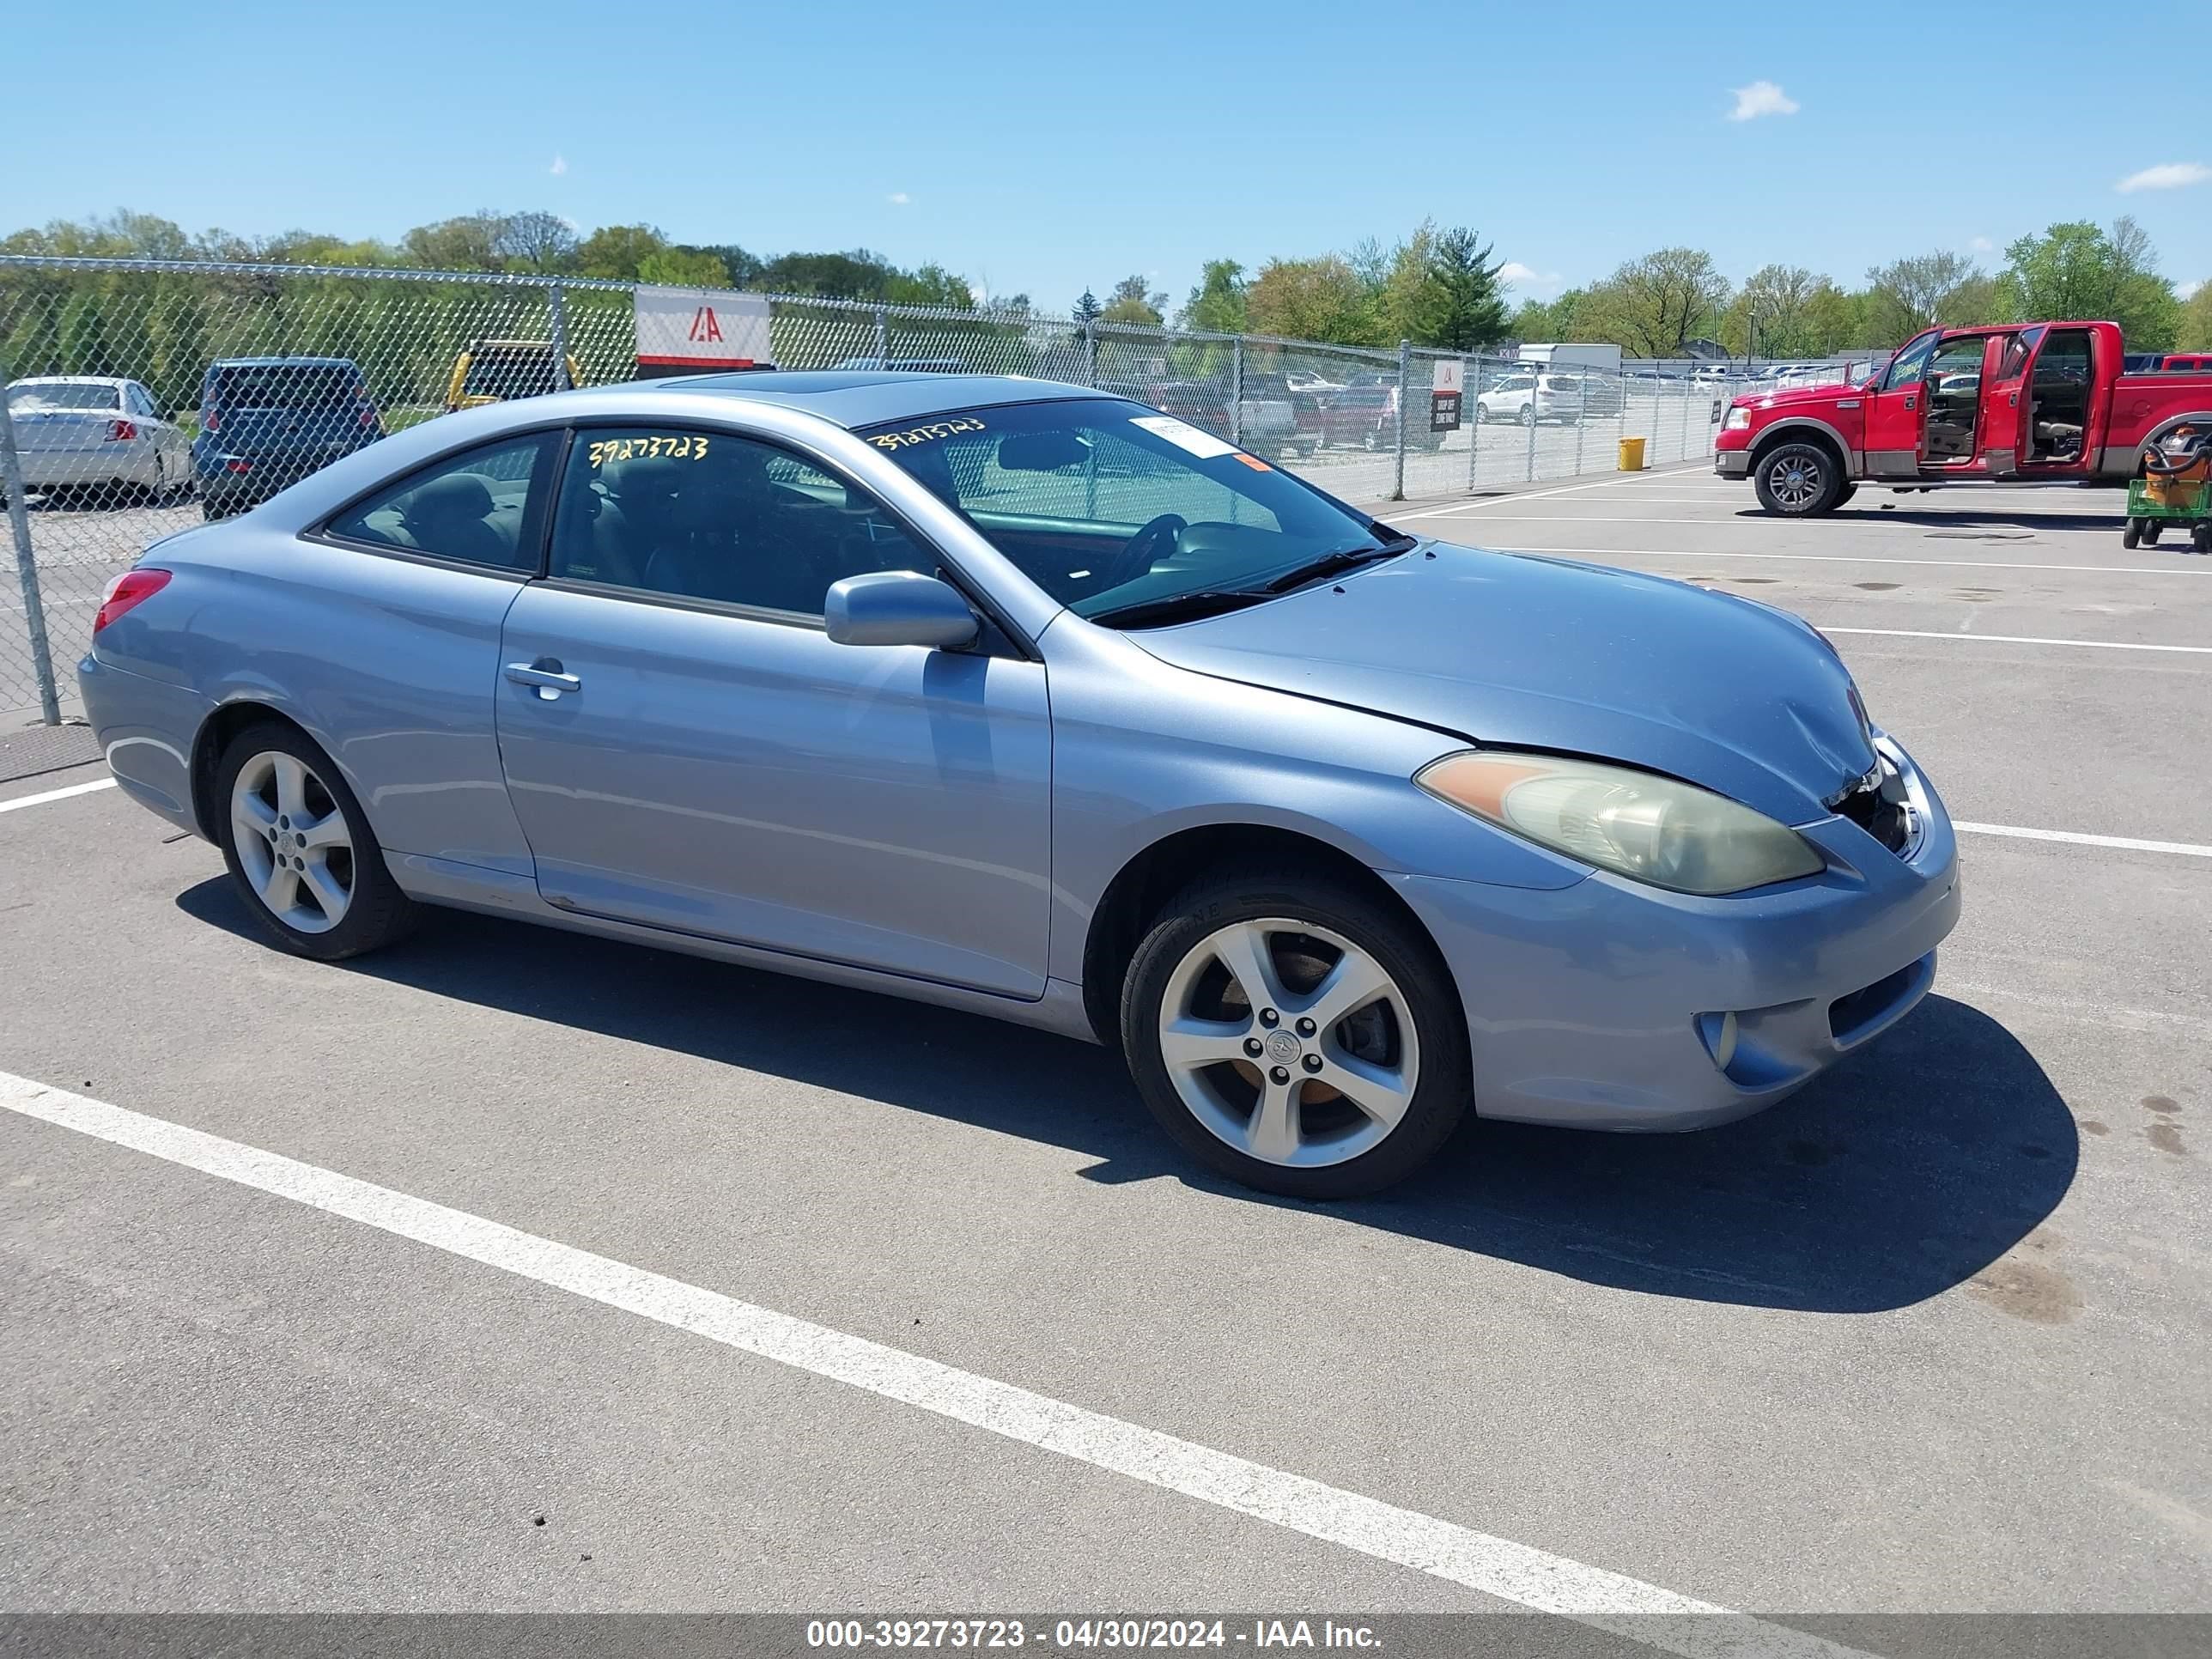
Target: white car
point(97, 433)
point(1529, 398)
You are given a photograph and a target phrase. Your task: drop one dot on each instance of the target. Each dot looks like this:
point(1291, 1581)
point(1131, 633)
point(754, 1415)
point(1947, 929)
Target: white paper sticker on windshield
point(1183, 436)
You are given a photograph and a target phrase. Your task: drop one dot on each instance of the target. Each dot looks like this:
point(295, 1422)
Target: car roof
point(281, 362)
point(859, 398)
point(75, 379)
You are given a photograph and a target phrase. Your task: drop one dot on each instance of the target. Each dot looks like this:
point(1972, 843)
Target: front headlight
point(1738, 419)
point(1634, 823)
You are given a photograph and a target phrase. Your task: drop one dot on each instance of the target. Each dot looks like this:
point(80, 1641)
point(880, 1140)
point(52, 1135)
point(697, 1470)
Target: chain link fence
point(123, 375)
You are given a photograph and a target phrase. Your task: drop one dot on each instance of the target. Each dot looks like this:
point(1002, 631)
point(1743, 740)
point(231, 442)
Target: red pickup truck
point(2022, 403)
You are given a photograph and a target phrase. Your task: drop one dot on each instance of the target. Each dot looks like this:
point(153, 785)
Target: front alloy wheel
point(1296, 1036)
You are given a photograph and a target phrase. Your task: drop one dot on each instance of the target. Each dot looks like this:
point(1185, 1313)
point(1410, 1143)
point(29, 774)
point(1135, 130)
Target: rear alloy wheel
point(1528, 414)
point(1798, 481)
point(1295, 1035)
point(299, 850)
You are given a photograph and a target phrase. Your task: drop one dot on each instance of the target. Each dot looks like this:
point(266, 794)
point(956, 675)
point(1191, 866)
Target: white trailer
point(1601, 359)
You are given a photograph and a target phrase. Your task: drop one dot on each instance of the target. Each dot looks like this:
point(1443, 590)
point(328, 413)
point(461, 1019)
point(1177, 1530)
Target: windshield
point(1108, 504)
point(524, 371)
point(64, 394)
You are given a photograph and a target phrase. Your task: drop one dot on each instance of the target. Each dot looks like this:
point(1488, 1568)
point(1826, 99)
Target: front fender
point(1144, 750)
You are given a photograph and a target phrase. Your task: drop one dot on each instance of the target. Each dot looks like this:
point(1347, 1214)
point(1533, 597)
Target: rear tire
point(1401, 1039)
point(2152, 530)
point(2200, 538)
point(1798, 480)
point(299, 848)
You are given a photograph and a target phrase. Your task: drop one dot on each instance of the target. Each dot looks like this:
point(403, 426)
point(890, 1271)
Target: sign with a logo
point(1445, 395)
point(701, 328)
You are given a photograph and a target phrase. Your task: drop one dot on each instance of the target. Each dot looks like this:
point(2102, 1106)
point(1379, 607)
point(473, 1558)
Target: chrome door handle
point(549, 681)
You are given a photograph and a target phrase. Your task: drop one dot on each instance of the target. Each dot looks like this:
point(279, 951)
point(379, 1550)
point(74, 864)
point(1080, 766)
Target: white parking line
point(2199, 571)
point(2014, 639)
point(56, 794)
point(1495, 1566)
point(1522, 496)
point(2189, 849)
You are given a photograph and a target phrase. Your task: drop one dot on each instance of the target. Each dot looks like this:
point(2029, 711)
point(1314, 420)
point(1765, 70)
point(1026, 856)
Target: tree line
point(1438, 288)
point(1657, 305)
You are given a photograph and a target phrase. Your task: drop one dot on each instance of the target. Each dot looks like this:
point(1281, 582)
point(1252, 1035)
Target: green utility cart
point(2153, 504)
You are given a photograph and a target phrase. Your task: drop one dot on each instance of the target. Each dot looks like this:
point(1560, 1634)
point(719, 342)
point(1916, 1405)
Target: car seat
point(449, 516)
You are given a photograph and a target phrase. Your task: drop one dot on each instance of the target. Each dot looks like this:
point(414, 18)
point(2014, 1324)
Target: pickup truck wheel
point(1798, 480)
point(1846, 493)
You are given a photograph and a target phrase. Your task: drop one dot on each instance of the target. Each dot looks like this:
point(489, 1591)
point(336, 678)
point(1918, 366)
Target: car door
point(1897, 411)
point(687, 749)
point(2001, 398)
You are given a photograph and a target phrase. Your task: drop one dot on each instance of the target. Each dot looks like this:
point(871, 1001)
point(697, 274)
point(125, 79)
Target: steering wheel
point(1142, 549)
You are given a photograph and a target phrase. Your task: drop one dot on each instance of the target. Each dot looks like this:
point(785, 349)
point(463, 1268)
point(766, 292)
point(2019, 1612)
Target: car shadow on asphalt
point(1952, 518)
point(1908, 1169)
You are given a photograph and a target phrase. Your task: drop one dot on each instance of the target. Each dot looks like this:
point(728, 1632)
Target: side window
point(2015, 359)
point(141, 401)
point(478, 508)
point(1910, 365)
point(709, 515)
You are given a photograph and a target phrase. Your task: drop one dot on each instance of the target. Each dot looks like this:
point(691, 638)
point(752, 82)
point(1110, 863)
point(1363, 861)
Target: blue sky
point(1043, 148)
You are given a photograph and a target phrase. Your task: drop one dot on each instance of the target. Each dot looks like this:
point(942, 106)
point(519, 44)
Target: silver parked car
point(1039, 702)
point(99, 433)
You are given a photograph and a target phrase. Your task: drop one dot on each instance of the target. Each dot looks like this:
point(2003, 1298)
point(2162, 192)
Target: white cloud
point(1514, 274)
point(1762, 98)
point(2167, 175)
point(2187, 291)
point(1981, 245)
point(560, 165)
point(898, 199)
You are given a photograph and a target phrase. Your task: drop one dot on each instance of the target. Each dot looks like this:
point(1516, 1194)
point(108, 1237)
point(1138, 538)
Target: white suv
point(1529, 398)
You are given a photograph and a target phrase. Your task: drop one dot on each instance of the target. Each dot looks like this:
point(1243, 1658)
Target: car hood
point(1516, 651)
point(1797, 396)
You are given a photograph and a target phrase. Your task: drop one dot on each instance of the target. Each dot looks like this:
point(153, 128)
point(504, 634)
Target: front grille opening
point(1849, 1015)
point(1877, 804)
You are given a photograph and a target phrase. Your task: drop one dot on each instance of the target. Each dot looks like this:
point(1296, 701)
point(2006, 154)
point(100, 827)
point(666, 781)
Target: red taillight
point(121, 431)
point(127, 590)
point(368, 415)
point(238, 467)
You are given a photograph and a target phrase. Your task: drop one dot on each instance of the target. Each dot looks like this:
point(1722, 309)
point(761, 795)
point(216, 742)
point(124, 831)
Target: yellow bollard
point(1631, 454)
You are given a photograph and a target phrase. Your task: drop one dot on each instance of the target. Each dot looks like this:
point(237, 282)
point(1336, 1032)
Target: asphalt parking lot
point(1933, 1336)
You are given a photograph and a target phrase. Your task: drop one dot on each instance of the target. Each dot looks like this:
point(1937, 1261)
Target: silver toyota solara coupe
point(1026, 699)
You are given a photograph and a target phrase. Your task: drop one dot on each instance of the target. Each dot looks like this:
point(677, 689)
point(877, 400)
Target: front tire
point(1799, 480)
point(300, 851)
point(1362, 1068)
